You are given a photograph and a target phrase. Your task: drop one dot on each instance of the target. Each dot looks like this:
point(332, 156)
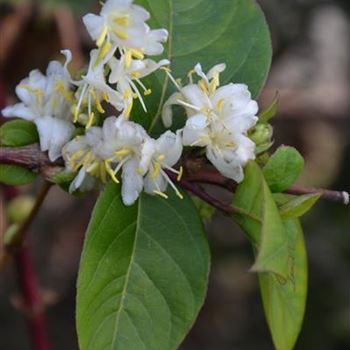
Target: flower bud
point(261, 134)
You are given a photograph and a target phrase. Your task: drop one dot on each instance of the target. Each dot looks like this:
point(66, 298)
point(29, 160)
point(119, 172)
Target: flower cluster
point(218, 117)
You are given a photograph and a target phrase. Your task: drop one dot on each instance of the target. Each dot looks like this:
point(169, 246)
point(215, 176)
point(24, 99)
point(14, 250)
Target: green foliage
point(283, 296)
point(283, 168)
point(14, 175)
point(143, 273)
point(17, 133)
point(235, 33)
point(269, 237)
point(299, 205)
point(284, 301)
point(270, 112)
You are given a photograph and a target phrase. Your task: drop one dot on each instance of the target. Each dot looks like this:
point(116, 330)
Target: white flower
point(128, 74)
point(124, 148)
point(122, 23)
point(226, 150)
point(166, 152)
point(218, 119)
point(47, 100)
point(81, 154)
point(93, 90)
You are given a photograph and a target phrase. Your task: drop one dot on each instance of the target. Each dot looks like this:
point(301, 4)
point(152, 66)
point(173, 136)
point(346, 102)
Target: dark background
point(311, 71)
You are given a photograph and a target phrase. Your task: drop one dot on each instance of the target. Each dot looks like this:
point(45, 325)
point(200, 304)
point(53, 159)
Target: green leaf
point(269, 112)
point(284, 303)
point(210, 32)
point(15, 175)
point(143, 273)
point(17, 133)
point(299, 205)
point(283, 299)
point(283, 168)
point(269, 237)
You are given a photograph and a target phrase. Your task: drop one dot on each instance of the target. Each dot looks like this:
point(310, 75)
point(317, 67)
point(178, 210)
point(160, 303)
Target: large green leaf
point(143, 273)
point(283, 298)
point(284, 302)
point(14, 175)
point(269, 237)
point(16, 133)
point(209, 32)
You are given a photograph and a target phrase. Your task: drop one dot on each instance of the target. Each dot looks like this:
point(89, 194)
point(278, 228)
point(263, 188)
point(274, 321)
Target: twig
point(32, 158)
point(18, 239)
point(213, 177)
point(30, 303)
point(334, 196)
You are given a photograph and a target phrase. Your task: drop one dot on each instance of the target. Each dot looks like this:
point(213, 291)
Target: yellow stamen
point(156, 169)
point(219, 104)
point(136, 74)
point(128, 58)
point(105, 96)
point(179, 175)
point(97, 101)
point(203, 86)
point(103, 52)
point(161, 157)
point(147, 92)
point(75, 114)
point(65, 93)
point(123, 152)
point(161, 194)
point(122, 20)
point(121, 34)
point(111, 172)
point(137, 53)
point(102, 36)
point(90, 120)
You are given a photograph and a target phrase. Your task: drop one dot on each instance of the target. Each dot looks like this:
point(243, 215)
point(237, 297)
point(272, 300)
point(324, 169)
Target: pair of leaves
point(17, 133)
point(280, 242)
point(143, 272)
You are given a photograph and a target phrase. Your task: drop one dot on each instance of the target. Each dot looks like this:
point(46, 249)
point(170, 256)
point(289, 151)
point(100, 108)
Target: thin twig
point(18, 239)
point(334, 196)
point(32, 301)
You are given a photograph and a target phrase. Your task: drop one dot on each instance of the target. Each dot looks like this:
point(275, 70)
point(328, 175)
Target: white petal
point(94, 25)
point(132, 182)
point(170, 145)
point(153, 42)
point(231, 169)
point(217, 69)
point(19, 110)
point(196, 132)
point(157, 184)
point(195, 96)
point(54, 134)
point(78, 180)
point(147, 152)
point(167, 112)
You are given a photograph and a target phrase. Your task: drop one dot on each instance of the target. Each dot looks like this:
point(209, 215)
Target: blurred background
point(311, 40)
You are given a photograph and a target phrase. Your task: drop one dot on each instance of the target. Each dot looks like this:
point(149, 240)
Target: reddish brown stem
point(31, 299)
point(27, 280)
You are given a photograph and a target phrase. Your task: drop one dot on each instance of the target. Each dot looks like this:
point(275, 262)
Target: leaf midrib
point(127, 276)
